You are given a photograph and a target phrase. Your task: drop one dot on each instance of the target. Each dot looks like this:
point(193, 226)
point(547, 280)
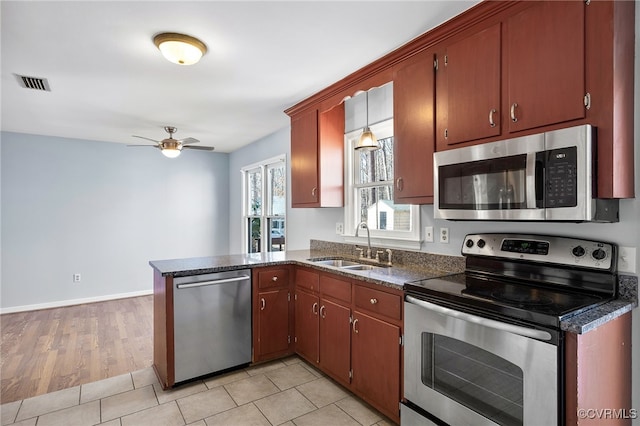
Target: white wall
point(103, 210)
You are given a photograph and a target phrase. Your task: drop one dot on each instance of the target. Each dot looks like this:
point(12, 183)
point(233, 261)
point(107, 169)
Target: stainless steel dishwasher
point(212, 323)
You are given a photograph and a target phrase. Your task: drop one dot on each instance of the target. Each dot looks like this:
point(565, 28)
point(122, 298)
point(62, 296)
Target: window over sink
point(265, 200)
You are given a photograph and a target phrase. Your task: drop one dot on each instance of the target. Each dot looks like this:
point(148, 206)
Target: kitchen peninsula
point(293, 291)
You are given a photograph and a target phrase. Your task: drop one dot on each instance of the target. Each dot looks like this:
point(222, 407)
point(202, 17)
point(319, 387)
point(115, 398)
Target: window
point(369, 190)
point(265, 202)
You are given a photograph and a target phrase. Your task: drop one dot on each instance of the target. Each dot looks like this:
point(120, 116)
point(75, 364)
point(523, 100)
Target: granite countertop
point(392, 277)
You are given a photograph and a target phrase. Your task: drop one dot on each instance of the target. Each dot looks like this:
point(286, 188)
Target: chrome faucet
point(365, 226)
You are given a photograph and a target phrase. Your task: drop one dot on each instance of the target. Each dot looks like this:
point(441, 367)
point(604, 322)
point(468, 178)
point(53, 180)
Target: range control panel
point(543, 248)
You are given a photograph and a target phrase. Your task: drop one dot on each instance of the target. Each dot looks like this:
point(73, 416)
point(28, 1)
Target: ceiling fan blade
point(150, 146)
point(187, 141)
point(202, 148)
point(149, 139)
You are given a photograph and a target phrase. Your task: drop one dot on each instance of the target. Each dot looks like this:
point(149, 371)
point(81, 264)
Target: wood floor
point(52, 349)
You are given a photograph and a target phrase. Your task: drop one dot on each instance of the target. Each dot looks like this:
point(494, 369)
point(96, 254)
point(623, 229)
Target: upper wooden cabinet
point(413, 118)
point(468, 87)
point(506, 69)
point(545, 64)
point(317, 148)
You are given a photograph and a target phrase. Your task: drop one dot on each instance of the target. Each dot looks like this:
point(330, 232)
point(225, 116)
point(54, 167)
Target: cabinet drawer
point(335, 287)
point(378, 302)
point(273, 278)
point(307, 279)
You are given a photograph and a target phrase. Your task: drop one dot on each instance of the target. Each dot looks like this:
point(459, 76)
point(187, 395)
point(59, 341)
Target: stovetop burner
point(521, 299)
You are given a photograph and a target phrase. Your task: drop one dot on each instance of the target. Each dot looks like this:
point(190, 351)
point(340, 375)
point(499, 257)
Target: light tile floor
point(286, 392)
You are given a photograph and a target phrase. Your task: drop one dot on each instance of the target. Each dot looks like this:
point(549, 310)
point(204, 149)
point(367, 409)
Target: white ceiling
point(108, 81)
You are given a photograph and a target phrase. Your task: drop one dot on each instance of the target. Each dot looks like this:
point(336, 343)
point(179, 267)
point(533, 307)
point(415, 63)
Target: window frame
point(266, 210)
point(389, 238)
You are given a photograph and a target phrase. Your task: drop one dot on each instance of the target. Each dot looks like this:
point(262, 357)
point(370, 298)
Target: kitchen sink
point(345, 264)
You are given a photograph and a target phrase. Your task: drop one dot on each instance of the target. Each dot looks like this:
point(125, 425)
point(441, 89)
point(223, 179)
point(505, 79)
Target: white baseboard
point(61, 303)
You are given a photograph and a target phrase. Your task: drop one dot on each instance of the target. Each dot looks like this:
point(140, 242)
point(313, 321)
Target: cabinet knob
point(373, 301)
point(323, 310)
point(314, 191)
point(491, 122)
point(314, 308)
point(355, 330)
point(399, 184)
point(513, 112)
point(263, 303)
point(274, 278)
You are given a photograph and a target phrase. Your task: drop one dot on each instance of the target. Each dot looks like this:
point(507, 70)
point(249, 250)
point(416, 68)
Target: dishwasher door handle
point(212, 282)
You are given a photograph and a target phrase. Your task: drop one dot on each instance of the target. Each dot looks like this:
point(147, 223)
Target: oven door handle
point(485, 322)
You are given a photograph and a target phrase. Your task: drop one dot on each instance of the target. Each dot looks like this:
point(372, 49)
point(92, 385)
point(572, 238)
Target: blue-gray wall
point(102, 210)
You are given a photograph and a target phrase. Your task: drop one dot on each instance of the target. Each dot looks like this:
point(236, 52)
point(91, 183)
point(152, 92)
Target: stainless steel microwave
point(543, 177)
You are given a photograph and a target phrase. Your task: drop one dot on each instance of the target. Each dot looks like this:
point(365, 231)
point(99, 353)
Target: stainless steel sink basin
point(345, 264)
point(338, 263)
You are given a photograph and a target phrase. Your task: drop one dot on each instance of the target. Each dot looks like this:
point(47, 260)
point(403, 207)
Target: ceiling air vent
point(35, 83)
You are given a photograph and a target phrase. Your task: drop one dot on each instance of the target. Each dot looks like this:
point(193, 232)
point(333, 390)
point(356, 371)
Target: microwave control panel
point(561, 177)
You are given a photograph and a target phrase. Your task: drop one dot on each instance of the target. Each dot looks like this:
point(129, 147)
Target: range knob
point(481, 243)
point(599, 254)
point(578, 251)
point(469, 243)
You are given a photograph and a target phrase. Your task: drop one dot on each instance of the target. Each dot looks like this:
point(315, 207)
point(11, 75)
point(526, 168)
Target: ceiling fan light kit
point(180, 49)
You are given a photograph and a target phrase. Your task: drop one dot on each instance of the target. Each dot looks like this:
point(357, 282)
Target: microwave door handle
point(531, 180)
point(485, 322)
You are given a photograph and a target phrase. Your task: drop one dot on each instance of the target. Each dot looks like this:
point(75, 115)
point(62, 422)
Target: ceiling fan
point(171, 147)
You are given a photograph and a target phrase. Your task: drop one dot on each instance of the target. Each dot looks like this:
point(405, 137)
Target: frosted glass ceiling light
point(180, 49)
point(367, 141)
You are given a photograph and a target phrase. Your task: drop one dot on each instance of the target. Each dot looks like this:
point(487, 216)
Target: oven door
point(469, 370)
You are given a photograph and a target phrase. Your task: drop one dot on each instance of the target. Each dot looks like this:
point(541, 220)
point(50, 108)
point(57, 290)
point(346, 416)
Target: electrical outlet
point(428, 234)
point(77, 278)
point(444, 235)
point(627, 259)
point(339, 228)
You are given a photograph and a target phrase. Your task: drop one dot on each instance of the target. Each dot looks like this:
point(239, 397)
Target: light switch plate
point(428, 234)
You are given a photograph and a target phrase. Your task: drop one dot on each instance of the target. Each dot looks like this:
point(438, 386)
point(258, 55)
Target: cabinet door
point(376, 361)
point(273, 324)
point(468, 87)
point(304, 159)
point(335, 339)
point(413, 141)
point(546, 64)
point(306, 335)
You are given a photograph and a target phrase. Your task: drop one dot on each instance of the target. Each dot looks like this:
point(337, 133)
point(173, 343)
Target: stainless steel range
point(484, 347)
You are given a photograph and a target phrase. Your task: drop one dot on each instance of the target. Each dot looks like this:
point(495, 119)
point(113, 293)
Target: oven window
point(475, 378)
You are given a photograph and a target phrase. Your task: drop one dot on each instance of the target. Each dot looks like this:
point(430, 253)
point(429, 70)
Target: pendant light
point(367, 141)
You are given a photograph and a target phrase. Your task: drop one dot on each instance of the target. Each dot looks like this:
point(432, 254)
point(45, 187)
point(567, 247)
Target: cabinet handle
point(491, 122)
point(373, 301)
point(274, 278)
point(513, 112)
point(263, 303)
point(314, 309)
point(399, 184)
point(355, 330)
point(314, 191)
point(323, 311)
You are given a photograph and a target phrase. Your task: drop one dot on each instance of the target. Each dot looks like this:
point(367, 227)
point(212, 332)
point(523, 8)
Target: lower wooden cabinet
point(351, 331)
point(375, 359)
point(272, 313)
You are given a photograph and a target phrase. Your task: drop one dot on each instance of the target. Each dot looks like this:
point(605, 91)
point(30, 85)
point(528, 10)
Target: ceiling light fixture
point(180, 49)
point(170, 148)
point(367, 141)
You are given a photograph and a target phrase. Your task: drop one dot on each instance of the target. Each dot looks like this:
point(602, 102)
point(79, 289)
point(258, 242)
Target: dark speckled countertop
point(412, 266)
